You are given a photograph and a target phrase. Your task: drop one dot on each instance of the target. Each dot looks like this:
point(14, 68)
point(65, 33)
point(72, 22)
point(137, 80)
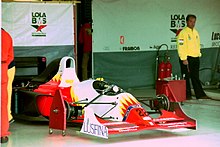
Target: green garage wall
point(137, 69)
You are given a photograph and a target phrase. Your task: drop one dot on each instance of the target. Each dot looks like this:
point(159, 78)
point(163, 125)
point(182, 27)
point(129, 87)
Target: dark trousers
point(191, 71)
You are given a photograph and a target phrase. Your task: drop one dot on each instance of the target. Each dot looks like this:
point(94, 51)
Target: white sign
point(128, 25)
point(39, 24)
point(92, 126)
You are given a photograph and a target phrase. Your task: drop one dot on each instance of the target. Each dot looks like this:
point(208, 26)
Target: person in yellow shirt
point(188, 45)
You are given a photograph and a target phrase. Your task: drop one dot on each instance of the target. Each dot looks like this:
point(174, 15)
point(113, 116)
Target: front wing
point(96, 126)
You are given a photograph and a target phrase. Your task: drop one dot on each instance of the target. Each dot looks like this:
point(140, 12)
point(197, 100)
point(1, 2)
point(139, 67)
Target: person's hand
point(185, 62)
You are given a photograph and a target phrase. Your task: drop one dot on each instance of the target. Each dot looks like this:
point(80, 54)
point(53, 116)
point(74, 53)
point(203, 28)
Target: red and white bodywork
point(104, 108)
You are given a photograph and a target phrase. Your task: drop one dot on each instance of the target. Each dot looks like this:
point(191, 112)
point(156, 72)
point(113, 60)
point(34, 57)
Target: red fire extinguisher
point(161, 70)
point(168, 71)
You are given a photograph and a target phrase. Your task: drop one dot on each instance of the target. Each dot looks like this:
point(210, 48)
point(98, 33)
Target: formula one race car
point(101, 107)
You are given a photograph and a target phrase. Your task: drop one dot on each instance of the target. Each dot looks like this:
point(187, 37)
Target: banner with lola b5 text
point(39, 24)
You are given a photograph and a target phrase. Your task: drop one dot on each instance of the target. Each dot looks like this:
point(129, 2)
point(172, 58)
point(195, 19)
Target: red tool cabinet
point(174, 89)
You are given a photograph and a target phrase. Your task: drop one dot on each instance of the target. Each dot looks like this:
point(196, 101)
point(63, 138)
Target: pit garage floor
point(31, 132)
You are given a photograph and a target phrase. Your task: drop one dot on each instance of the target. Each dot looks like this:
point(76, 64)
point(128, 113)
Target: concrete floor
point(31, 132)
